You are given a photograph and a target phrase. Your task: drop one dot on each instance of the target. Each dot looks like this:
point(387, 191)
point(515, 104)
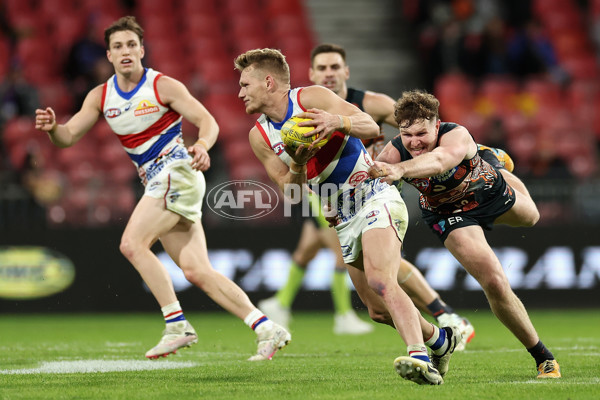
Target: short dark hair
point(124, 24)
point(270, 60)
point(327, 48)
point(416, 105)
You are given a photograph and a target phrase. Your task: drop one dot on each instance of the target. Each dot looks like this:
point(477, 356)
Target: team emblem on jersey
point(145, 107)
point(278, 148)
point(358, 177)
point(421, 184)
point(112, 113)
point(372, 214)
point(460, 172)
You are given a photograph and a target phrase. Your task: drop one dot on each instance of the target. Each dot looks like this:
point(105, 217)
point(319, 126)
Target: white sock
point(172, 312)
point(258, 321)
point(438, 342)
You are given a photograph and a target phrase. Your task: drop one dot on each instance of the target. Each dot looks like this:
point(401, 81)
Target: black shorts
point(500, 199)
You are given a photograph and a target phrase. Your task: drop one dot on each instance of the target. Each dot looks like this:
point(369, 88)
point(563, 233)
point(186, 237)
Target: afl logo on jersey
point(112, 113)
point(278, 148)
point(145, 107)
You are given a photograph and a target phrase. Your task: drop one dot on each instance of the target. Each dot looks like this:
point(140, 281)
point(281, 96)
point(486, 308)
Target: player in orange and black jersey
point(461, 195)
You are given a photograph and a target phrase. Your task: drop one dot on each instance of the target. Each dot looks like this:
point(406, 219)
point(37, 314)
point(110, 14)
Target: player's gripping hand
point(45, 120)
point(388, 173)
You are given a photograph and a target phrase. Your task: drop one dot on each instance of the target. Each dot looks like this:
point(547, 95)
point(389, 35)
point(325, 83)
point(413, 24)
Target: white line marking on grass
point(95, 366)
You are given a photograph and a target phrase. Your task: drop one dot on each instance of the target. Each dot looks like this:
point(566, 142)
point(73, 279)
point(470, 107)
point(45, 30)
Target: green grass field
point(56, 356)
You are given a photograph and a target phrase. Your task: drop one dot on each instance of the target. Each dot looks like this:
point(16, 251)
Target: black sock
point(540, 353)
point(437, 308)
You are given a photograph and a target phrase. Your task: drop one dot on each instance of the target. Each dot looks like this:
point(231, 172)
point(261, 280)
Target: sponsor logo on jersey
point(144, 108)
point(112, 113)
point(440, 227)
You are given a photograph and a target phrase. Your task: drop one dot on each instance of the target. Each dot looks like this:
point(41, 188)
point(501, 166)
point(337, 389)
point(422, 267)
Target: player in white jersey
point(145, 109)
point(328, 68)
point(372, 214)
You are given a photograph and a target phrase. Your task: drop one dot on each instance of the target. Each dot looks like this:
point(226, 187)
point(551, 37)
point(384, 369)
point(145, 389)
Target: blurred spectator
point(493, 54)
point(43, 187)
point(546, 163)
point(17, 96)
point(85, 63)
point(531, 52)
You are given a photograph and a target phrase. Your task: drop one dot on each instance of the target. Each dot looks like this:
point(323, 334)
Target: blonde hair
point(270, 60)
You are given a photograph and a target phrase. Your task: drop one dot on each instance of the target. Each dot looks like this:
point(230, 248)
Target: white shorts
point(181, 187)
point(382, 210)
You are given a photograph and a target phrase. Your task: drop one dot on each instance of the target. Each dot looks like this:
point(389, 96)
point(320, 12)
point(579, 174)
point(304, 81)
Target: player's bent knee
point(496, 286)
point(197, 276)
point(127, 248)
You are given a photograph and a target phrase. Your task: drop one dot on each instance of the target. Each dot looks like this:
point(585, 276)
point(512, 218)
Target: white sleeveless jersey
point(146, 127)
point(338, 173)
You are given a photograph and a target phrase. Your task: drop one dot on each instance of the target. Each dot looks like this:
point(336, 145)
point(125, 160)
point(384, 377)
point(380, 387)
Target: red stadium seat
point(242, 25)
point(199, 26)
point(582, 67)
point(501, 92)
point(208, 7)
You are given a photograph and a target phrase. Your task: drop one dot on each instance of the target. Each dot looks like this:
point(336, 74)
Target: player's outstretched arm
point(66, 135)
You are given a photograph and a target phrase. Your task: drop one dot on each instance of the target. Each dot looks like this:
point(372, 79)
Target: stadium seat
point(501, 92)
point(452, 88)
point(569, 44)
point(4, 55)
point(583, 165)
point(476, 124)
point(199, 26)
point(208, 7)
point(546, 93)
point(582, 67)
point(276, 9)
point(56, 95)
point(243, 25)
point(236, 7)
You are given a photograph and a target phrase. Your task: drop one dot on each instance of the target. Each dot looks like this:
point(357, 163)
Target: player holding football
point(145, 109)
point(460, 195)
point(329, 69)
point(372, 214)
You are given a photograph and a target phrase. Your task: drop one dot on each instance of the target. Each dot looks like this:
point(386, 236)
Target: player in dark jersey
point(460, 195)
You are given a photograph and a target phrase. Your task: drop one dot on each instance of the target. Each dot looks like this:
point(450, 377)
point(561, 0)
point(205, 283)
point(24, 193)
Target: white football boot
point(269, 341)
point(176, 335)
point(459, 323)
point(350, 324)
